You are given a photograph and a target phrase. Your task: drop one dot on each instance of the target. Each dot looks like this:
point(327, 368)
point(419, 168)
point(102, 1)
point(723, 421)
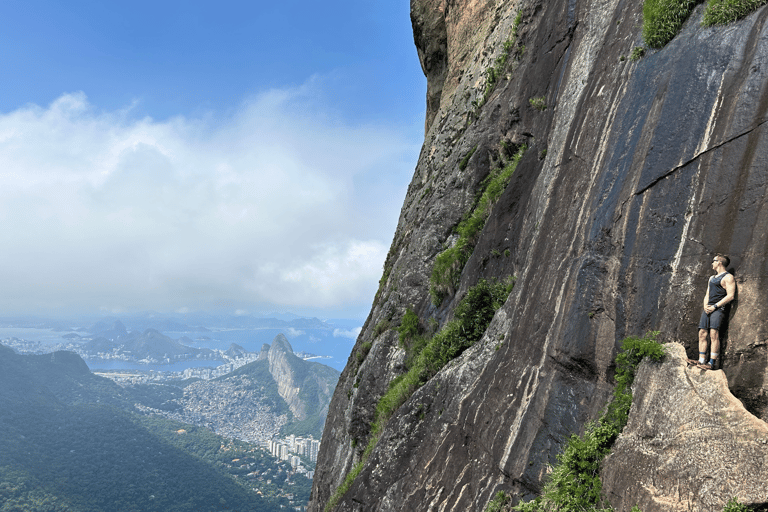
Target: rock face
point(689, 443)
point(305, 386)
point(636, 173)
point(281, 365)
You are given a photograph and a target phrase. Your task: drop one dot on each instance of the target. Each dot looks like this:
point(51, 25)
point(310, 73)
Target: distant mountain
point(55, 379)
point(305, 386)
point(150, 344)
point(279, 393)
point(144, 321)
point(156, 345)
point(67, 442)
point(282, 316)
point(252, 322)
point(172, 322)
point(201, 322)
point(235, 351)
point(110, 329)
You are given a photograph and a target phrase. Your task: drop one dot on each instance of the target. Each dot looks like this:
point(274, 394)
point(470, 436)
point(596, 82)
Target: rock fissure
point(699, 155)
point(692, 385)
point(562, 63)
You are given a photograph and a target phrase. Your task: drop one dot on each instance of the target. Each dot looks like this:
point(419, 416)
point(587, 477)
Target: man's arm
point(706, 298)
point(730, 290)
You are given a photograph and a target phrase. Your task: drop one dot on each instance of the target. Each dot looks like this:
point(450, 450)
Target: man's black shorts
point(713, 320)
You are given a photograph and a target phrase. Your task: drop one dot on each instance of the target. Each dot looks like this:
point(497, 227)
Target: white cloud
point(294, 333)
point(98, 209)
point(353, 333)
point(332, 273)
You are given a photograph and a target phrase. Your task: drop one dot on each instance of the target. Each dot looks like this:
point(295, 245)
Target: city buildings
point(282, 449)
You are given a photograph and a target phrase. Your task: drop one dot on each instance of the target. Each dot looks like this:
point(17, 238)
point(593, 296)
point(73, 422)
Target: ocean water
point(44, 336)
point(333, 345)
point(111, 364)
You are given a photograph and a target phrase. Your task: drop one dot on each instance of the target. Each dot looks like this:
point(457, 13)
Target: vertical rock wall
point(636, 173)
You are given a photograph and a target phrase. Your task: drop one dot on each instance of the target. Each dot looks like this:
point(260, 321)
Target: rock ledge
point(689, 443)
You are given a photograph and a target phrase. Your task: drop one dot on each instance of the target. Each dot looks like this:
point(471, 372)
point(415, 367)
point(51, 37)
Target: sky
point(203, 156)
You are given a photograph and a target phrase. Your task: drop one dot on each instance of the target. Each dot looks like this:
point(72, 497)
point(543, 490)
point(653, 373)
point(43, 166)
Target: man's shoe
point(706, 366)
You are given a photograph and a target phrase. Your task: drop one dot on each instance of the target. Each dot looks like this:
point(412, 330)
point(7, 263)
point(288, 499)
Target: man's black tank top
point(716, 290)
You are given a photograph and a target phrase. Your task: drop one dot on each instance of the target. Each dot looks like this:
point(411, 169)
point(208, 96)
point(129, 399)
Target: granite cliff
point(634, 172)
point(304, 385)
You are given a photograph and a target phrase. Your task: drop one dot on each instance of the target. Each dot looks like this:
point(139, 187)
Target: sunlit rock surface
point(636, 173)
point(689, 443)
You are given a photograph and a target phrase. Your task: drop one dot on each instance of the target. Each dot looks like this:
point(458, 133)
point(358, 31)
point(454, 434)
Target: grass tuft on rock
point(449, 264)
point(471, 319)
point(662, 20)
point(722, 12)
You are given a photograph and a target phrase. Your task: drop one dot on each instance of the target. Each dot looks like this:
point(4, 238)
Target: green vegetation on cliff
point(722, 12)
point(471, 319)
point(449, 263)
point(663, 19)
point(493, 73)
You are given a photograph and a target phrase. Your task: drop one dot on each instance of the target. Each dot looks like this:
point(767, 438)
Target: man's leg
point(703, 345)
point(715, 352)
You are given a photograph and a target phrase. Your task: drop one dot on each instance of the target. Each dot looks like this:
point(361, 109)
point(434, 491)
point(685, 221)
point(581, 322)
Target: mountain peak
point(235, 350)
point(119, 327)
point(67, 359)
point(109, 330)
point(281, 344)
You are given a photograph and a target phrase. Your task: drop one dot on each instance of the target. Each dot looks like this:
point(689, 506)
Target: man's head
point(721, 259)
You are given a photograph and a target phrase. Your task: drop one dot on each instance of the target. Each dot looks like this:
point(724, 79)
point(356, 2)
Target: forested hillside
point(68, 442)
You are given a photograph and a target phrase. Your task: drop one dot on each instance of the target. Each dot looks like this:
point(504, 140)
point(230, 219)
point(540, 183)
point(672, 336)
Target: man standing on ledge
point(720, 292)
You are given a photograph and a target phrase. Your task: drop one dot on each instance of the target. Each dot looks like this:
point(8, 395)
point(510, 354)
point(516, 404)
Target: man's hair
point(725, 260)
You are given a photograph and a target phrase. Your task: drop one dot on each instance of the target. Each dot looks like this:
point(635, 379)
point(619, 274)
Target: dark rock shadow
point(732, 307)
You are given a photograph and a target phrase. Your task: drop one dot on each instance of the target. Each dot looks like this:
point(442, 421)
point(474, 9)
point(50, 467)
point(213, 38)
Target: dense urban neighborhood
point(230, 409)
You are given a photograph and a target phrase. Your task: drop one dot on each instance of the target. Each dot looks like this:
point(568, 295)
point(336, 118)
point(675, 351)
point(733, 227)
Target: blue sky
point(195, 155)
